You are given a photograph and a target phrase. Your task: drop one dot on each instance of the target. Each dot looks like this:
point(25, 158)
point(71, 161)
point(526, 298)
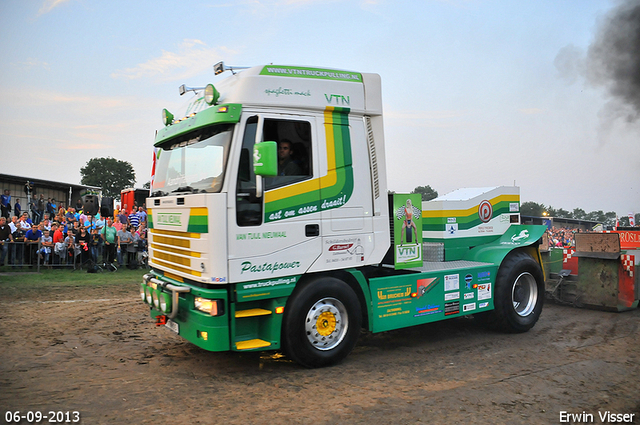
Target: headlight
point(156, 301)
point(213, 307)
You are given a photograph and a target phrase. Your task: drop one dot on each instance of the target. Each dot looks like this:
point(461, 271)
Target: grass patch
point(47, 278)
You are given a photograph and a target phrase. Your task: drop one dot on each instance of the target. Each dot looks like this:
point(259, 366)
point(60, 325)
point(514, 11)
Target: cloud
point(30, 64)
point(186, 62)
point(49, 5)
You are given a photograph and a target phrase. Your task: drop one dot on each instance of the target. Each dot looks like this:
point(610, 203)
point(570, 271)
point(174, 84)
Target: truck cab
point(271, 226)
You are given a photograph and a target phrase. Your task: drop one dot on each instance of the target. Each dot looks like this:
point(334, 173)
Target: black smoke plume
point(613, 59)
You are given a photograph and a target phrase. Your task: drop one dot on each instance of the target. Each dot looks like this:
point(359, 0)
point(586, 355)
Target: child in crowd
point(47, 244)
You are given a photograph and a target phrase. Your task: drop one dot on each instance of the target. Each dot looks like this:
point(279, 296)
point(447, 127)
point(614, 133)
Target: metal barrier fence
point(30, 256)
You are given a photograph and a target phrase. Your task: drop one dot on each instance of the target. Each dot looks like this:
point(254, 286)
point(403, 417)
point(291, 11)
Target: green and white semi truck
point(271, 227)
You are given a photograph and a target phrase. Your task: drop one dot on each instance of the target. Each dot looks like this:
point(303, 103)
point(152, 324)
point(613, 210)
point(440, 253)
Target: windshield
point(194, 163)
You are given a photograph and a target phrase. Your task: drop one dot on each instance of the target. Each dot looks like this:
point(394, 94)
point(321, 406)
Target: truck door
point(277, 234)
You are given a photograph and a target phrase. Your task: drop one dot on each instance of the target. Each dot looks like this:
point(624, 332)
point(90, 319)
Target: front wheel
point(518, 295)
point(321, 323)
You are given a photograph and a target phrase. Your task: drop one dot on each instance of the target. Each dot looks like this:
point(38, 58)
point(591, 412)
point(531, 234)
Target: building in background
point(65, 194)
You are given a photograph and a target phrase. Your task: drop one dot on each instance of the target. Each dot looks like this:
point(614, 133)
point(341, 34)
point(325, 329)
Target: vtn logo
point(407, 253)
point(337, 99)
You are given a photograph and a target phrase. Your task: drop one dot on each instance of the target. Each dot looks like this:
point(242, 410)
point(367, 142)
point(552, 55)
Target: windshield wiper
point(158, 193)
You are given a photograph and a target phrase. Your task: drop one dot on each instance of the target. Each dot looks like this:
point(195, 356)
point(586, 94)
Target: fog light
point(156, 301)
point(148, 295)
point(143, 296)
point(165, 302)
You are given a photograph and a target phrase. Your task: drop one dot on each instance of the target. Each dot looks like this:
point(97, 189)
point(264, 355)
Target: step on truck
point(271, 226)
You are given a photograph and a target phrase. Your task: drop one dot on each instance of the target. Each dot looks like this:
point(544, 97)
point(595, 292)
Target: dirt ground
point(96, 351)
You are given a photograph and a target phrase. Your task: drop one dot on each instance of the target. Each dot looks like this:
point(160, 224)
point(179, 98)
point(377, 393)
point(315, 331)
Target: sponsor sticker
point(451, 308)
point(451, 282)
point(452, 296)
point(469, 307)
point(484, 291)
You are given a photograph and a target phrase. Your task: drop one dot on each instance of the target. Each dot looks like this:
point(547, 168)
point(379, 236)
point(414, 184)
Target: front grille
point(174, 250)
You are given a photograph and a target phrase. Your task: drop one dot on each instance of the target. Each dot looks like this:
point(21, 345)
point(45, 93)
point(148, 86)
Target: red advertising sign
point(629, 239)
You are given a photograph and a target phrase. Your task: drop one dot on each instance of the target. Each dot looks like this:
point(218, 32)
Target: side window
point(294, 163)
point(294, 150)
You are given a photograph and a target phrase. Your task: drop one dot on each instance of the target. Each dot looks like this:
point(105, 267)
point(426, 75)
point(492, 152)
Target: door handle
point(311, 230)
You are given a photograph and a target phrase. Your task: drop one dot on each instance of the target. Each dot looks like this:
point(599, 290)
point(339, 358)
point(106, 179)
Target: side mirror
point(265, 159)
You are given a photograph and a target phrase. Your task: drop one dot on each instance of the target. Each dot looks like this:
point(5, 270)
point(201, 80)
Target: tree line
point(113, 175)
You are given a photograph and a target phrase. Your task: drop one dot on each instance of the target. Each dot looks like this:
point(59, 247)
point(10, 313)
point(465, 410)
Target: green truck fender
point(518, 236)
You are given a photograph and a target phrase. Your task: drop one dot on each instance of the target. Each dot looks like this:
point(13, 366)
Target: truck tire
point(518, 295)
point(321, 323)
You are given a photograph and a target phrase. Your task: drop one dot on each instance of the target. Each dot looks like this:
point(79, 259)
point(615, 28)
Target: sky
point(476, 93)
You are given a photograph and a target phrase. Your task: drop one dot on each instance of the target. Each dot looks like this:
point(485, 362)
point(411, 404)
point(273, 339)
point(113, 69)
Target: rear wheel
point(321, 323)
point(518, 294)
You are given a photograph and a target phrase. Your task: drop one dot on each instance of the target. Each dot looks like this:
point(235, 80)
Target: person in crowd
point(51, 207)
point(40, 207)
point(17, 251)
point(82, 218)
point(46, 223)
point(134, 219)
point(140, 237)
point(94, 245)
point(100, 222)
point(125, 238)
point(32, 238)
point(142, 215)
point(5, 239)
point(47, 244)
point(109, 236)
point(132, 249)
point(13, 226)
point(33, 207)
point(117, 223)
point(25, 222)
point(83, 240)
point(78, 205)
point(89, 223)
point(123, 215)
point(58, 242)
point(70, 217)
point(58, 236)
point(5, 203)
point(73, 251)
point(17, 208)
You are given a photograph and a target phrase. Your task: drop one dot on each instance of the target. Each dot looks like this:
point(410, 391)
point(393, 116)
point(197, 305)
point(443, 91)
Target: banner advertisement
point(407, 230)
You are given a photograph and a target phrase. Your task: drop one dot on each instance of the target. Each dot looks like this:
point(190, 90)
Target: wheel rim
point(524, 294)
point(326, 324)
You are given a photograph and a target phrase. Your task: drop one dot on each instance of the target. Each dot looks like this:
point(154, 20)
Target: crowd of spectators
point(60, 235)
point(562, 237)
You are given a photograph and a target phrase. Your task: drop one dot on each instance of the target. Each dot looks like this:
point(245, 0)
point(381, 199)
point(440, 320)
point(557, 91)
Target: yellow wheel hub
point(326, 323)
